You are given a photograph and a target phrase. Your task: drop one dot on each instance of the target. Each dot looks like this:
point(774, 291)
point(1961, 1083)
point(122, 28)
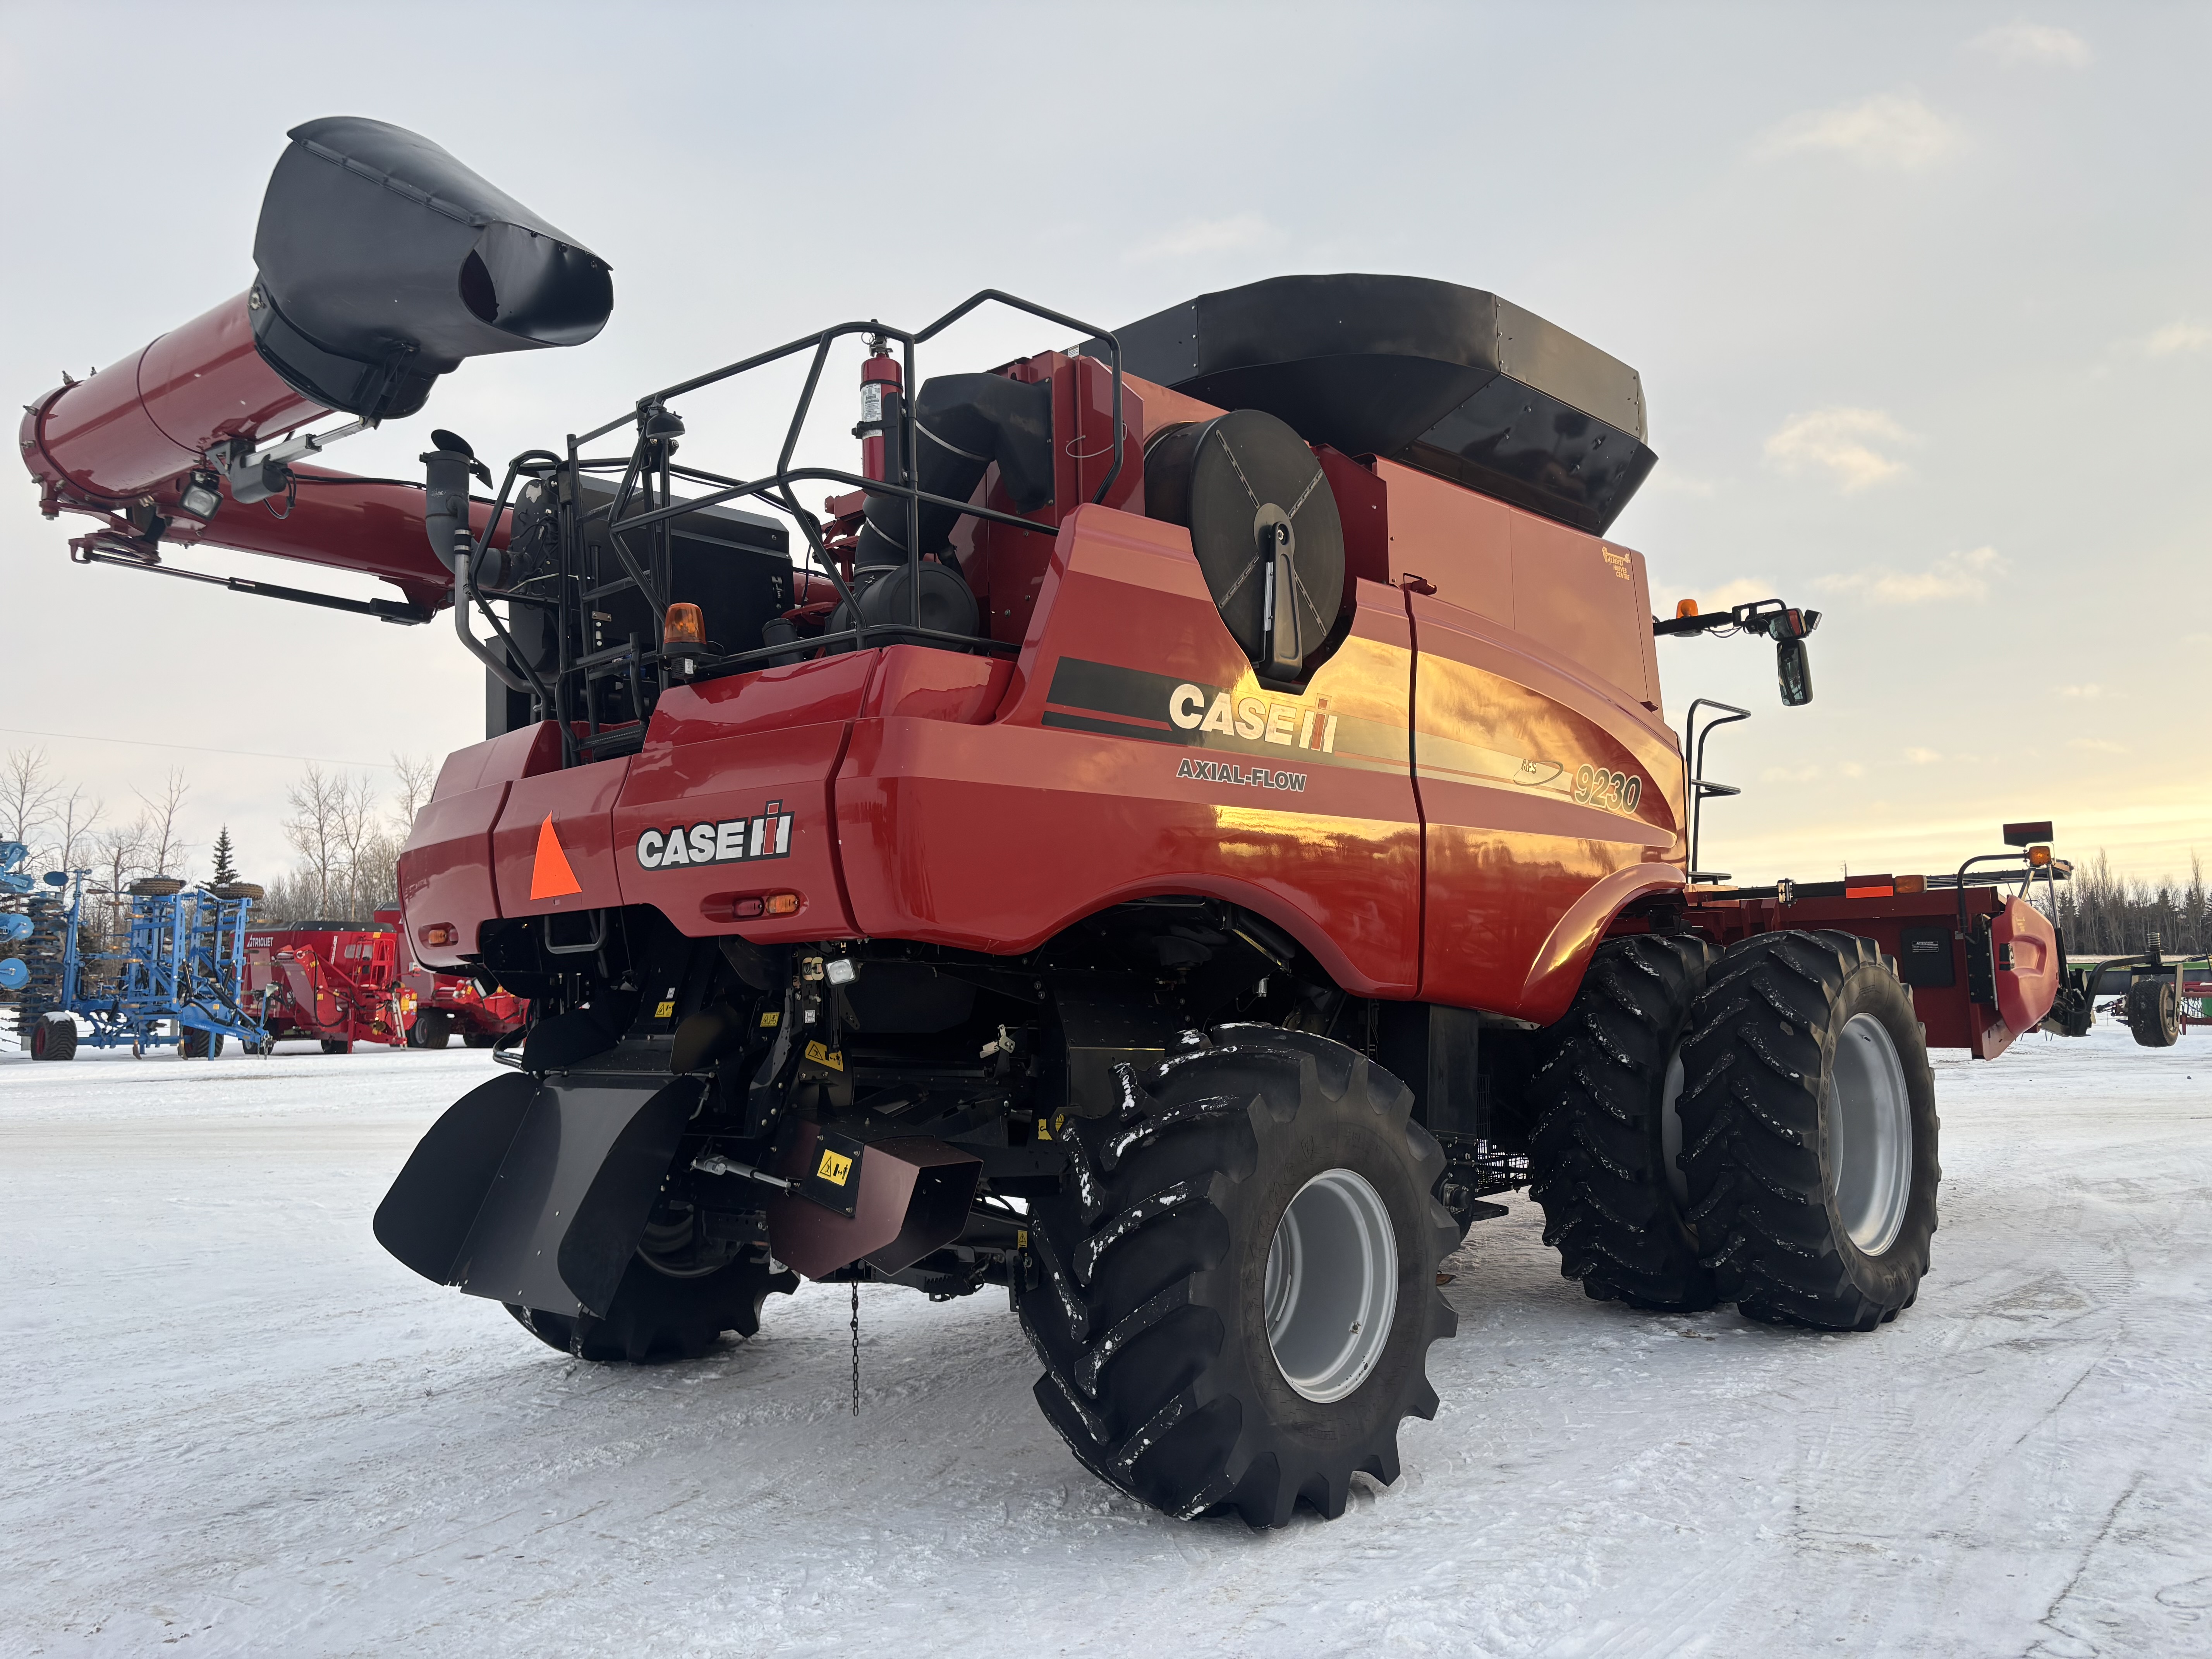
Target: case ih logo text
point(1253, 719)
point(731, 840)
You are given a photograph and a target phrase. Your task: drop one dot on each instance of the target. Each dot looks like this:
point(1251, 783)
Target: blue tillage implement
point(173, 981)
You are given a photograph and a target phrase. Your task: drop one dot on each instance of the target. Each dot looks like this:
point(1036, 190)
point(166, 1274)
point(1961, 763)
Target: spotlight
point(201, 495)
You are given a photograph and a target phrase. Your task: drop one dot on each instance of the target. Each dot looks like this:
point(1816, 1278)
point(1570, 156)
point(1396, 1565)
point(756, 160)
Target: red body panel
point(577, 803)
point(1138, 753)
point(446, 869)
point(1088, 759)
point(2029, 984)
point(1518, 834)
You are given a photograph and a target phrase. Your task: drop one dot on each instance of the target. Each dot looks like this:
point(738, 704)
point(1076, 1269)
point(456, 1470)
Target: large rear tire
point(1234, 1298)
point(2154, 1012)
point(1809, 1127)
point(1601, 1155)
point(656, 1316)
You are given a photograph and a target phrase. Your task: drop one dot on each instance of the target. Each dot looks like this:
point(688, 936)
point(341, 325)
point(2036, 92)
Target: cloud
point(2090, 693)
point(1790, 774)
point(2100, 745)
point(1921, 756)
point(2033, 43)
point(1852, 769)
point(1199, 237)
point(1954, 577)
point(1891, 130)
point(1679, 482)
point(2177, 338)
point(1841, 440)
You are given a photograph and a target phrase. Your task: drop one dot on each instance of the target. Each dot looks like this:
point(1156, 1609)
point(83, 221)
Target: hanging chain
point(856, 1347)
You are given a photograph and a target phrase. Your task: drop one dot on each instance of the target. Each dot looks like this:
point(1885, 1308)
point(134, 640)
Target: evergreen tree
point(225, 871)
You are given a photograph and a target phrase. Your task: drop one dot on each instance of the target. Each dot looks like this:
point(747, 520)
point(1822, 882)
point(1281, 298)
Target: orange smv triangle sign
point(550, 875)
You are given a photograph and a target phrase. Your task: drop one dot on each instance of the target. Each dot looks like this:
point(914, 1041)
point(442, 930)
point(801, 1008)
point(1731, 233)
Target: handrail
point(1699, 791)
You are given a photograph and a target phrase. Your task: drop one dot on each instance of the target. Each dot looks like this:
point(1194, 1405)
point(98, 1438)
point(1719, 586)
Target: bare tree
point(319, 805)
point(75, 818)
point(357, 826)
point(120, 853)
point(27, 789)
point(417, 777)
point(165, 842)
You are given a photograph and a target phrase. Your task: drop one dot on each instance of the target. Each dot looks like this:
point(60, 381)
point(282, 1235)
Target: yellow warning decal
point(833, 1167)
point(1021, 1238)
point(1043, 1130)
point(772, 1018)
point(822, 1054)
point(665, 1009)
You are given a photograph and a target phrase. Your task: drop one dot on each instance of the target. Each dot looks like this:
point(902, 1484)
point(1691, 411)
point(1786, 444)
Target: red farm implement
point(1198, 814)
point(331, 982)
point(341, 983)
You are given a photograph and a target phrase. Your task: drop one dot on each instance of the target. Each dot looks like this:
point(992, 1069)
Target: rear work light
point(439, 933)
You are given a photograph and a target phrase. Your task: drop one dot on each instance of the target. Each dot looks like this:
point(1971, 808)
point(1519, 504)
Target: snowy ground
point(230, 1423)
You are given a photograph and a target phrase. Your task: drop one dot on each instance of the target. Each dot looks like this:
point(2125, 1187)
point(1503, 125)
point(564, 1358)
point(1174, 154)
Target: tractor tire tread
point(1596, 1154)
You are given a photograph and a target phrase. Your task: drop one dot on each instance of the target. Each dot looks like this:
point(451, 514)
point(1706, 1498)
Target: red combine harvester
point(1201, 819)
point(340, 984)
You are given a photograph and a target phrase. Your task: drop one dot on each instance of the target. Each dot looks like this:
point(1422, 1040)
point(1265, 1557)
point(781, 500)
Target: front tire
point(1809, 1127)
point(1601, 1155)
point(1234, 1299)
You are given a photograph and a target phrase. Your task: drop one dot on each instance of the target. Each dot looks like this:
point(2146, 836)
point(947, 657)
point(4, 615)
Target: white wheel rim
point(1868, 1119)
point(1332, 1285)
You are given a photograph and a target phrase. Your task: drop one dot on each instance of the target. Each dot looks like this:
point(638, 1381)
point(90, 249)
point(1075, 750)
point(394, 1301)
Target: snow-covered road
point(231, 1423)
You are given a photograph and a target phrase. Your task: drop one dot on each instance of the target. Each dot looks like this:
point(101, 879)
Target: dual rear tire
point(1756, 1126)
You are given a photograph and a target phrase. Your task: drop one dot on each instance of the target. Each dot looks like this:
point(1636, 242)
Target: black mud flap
point(537, 1194)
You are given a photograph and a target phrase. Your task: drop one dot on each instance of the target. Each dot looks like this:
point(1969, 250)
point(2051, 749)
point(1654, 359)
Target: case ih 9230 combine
point(1199, 818)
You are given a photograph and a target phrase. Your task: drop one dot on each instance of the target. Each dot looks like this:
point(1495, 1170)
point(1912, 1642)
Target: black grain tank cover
point(383, 262)
point(1449, 380)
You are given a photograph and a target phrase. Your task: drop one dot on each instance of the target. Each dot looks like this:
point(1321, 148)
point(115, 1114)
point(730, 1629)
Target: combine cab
point(1191, 818)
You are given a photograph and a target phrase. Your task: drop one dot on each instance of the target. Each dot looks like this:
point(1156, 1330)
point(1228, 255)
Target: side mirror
point(1794, 668)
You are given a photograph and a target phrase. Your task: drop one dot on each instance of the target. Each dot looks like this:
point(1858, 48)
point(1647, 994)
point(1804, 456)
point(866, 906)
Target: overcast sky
point(1919, 296)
